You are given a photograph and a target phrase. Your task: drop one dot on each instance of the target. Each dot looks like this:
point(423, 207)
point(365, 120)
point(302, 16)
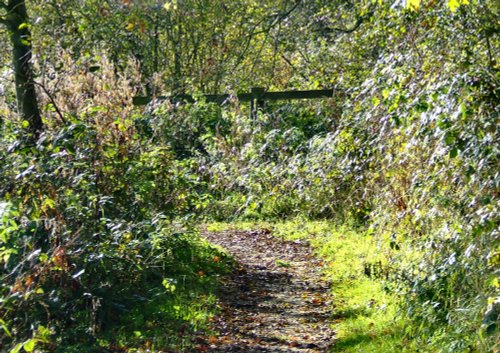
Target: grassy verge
point(365, 312)
point(177, 306)
point(159, 305)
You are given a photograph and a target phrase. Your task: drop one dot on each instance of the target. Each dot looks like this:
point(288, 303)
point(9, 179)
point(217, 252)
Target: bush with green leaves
point(96, 247)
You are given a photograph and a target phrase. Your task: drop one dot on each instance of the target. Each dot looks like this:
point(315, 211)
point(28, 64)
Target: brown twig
point(58, 111)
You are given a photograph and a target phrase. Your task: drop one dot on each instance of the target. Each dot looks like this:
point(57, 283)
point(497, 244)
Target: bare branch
point(294, 68)
point(278, 18)
point(52, 100)
point(359, 21)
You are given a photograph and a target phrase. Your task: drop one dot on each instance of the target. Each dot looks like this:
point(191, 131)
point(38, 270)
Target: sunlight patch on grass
point(241, 226)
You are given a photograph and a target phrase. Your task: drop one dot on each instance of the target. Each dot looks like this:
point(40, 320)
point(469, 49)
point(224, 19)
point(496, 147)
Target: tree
point(16, 20)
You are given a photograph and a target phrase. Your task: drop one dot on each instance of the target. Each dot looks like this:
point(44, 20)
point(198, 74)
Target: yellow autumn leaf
point(170, 5)
point(453, 5)
point(495, 282)
point(413, 4)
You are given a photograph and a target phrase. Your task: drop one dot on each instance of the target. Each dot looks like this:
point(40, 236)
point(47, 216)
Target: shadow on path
point(276, 301)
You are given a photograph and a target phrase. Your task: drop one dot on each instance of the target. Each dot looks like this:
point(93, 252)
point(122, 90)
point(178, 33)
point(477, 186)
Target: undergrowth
point(97, 248)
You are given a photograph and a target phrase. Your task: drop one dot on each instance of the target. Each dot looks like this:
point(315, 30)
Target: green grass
point(365, 315)
point(186, 304)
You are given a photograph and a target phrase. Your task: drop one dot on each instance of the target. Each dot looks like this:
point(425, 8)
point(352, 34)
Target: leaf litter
point(275, 301)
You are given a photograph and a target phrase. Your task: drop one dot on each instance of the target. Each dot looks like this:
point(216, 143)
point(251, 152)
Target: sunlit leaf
point(29, 345)
point(413, 4)
point(453, 5)
point(17, 348)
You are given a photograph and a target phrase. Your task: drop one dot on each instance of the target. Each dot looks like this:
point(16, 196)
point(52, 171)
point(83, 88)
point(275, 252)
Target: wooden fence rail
point(257, 96)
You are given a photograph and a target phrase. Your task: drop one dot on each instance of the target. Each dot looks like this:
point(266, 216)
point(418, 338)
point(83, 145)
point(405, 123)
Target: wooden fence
point(257, 97)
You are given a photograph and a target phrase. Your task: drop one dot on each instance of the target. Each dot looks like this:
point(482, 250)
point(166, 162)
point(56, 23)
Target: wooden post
point(257, 102)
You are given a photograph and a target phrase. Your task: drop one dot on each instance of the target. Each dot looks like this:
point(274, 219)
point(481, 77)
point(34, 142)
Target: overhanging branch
point(276, 20)
point(359, 22)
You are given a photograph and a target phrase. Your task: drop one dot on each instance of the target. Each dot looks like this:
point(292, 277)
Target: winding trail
point(275, 301)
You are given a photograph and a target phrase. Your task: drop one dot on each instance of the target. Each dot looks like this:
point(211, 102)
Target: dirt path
point(276, 301)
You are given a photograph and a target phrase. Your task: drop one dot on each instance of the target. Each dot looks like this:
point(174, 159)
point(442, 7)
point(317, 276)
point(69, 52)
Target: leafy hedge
point(94, 252)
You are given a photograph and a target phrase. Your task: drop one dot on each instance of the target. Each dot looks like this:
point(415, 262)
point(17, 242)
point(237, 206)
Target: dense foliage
point(97, 215)
point(89, 241)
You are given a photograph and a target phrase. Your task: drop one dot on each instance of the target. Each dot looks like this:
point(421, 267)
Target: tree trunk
point(27, 102)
